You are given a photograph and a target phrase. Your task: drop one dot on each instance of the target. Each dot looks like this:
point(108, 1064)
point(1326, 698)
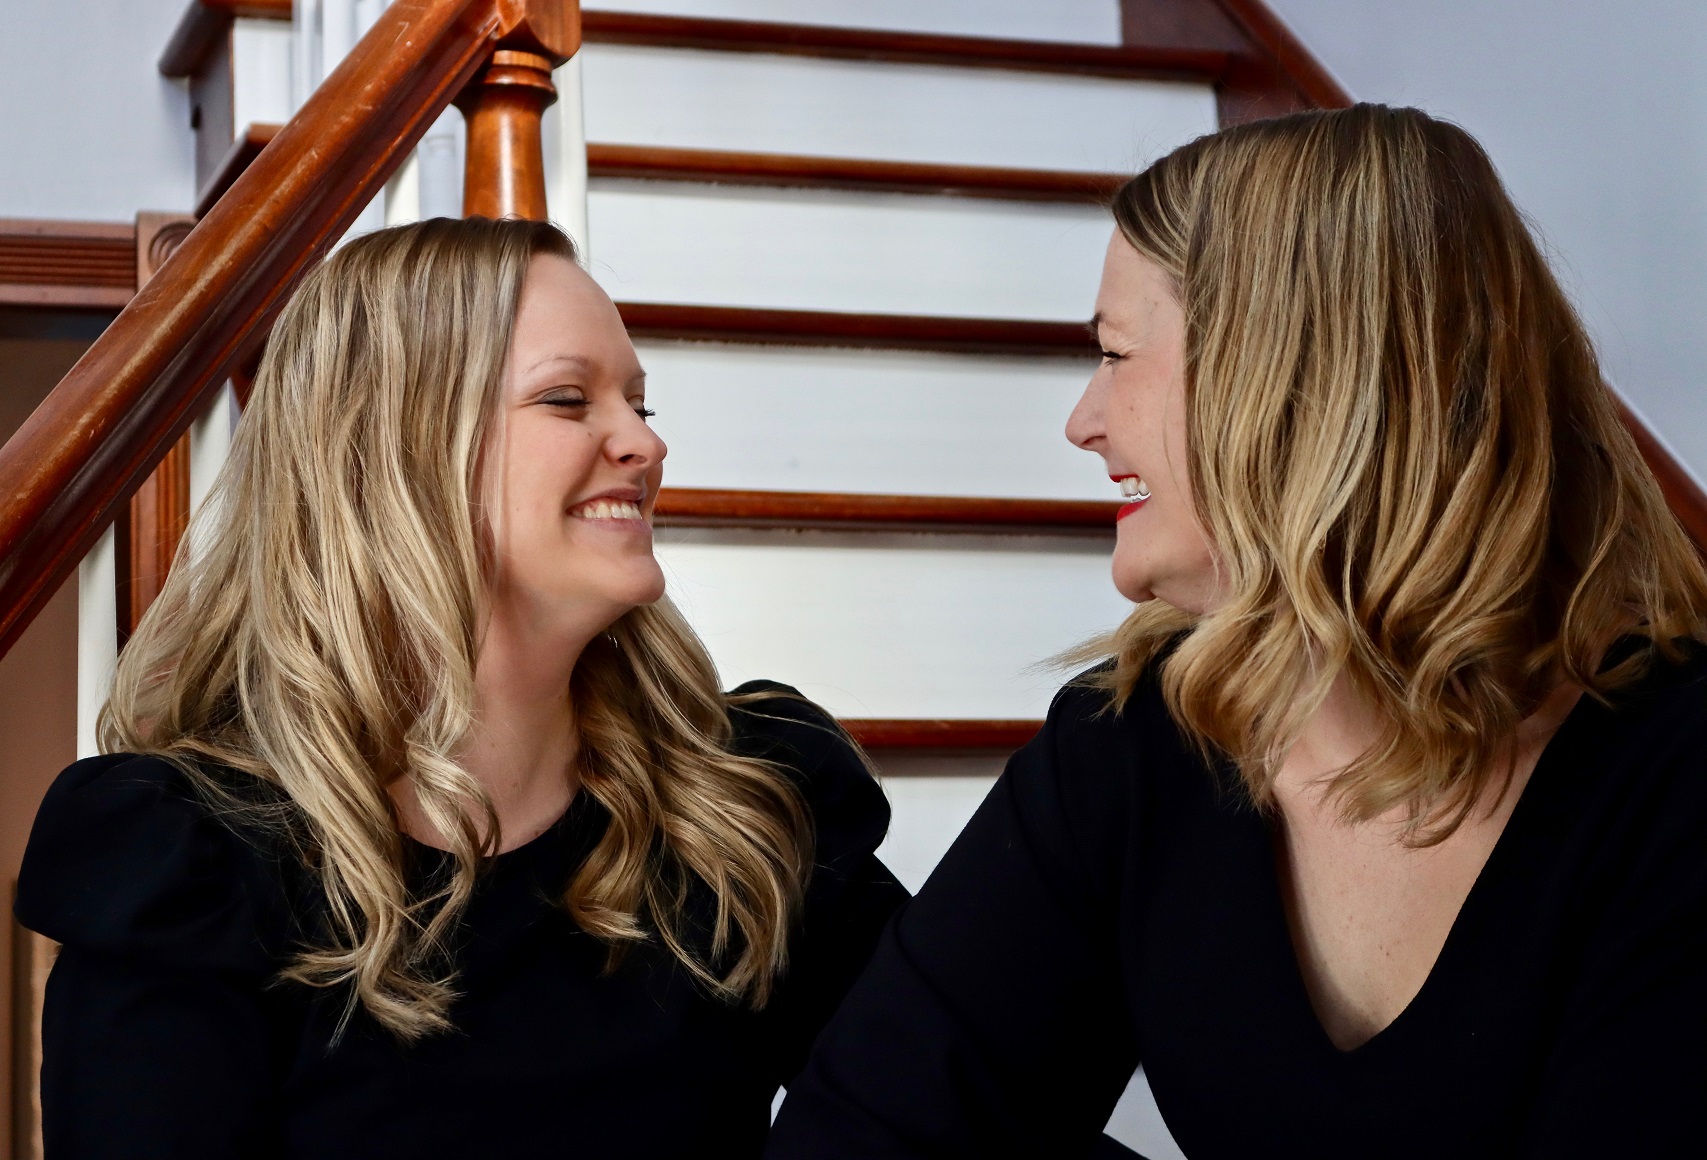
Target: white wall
point(1596, 114)
point(89, 129)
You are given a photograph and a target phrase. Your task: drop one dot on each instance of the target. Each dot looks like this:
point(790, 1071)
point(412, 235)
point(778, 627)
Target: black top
point(164, 1038)
point(1114, 901)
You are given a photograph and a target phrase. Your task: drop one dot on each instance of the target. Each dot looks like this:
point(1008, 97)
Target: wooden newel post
point(503, 104)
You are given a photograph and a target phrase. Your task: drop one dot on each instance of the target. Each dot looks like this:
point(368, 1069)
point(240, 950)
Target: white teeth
point(1131, 486)
point(607, 509)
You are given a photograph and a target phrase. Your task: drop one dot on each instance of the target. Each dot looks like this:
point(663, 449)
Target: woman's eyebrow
point(579, 362)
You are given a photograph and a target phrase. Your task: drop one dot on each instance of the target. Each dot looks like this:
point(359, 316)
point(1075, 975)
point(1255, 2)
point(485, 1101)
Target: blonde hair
point(318, 635)
point(1402, 450)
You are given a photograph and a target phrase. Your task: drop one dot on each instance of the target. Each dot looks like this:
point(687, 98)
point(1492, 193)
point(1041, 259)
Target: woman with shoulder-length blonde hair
point(1380, 830)
point(423, 828)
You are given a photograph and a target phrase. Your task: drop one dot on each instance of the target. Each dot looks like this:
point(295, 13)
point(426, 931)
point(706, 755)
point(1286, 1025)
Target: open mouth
point(605, 508)
point(1134, 490)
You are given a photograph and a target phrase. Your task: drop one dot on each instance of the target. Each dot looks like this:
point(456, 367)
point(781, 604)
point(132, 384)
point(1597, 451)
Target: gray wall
point(89, 129)
point(1596, 113)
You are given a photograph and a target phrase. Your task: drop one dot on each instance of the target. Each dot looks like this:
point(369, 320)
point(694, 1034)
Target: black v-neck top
point(1114, 902)
point(166, 1035)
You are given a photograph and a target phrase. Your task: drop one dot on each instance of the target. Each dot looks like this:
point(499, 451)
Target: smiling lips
point(605, 508)
point(1133, 488)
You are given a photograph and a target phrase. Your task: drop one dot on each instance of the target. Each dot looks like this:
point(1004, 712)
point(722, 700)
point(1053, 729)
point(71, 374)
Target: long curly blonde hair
point(319, 630)
point(1401, 447)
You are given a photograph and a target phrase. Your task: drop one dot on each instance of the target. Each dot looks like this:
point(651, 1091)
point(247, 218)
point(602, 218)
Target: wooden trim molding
point(32, 958)
point(712, 507)
point(230, 167)
point(67, 472)
point(202, 26)
point(1682, 493)
point(922, 733)
point(1147, 61)
point(834, 328)
point(67, 264)
point(662, 163)
point(1278, 74)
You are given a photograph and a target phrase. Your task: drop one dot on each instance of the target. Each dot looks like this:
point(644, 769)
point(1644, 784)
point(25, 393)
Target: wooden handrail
point(66, 472)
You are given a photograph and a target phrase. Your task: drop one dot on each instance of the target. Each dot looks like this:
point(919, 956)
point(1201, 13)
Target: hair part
point(1402, 450)
point(319, 630)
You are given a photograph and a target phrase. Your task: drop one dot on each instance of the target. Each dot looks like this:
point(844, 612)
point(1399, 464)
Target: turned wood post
point(505, 171)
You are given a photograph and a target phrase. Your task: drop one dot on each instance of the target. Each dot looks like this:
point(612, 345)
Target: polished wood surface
point(504, 174)
point(66, 264)
point(908, 733)
point(835, 328)
point(65, 474)
point(1277, 75)
point(32, 958)
point(713, 507)
point(1158, 62)
point(237, 158)
point(1683, 493)
point(160, 510)
point(660, 163)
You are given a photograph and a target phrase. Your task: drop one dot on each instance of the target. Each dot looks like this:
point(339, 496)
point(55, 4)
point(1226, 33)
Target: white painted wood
point(262, 76)
point(563, 134)
point(210, 444)
point(928, 814)
point(830, 250)
point(903, 112)
point(805, 419)
point(880, 625)
point(1138, 1123)
point(403, 193)
point(1095, 21)
point(440, 157)
point(97, 637)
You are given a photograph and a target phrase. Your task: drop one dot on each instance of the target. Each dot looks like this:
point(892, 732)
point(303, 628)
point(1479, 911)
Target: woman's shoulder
point(776, 723)
point(129, 857)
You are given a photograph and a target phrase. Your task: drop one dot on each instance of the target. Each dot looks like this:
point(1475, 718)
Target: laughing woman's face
point(1133, 415)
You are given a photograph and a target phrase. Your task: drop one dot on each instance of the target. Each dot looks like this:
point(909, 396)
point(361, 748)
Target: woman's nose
point(1085, 424)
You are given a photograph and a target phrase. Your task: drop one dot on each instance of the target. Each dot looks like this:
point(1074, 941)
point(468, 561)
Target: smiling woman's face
point(1133, 415)
point(576, 467)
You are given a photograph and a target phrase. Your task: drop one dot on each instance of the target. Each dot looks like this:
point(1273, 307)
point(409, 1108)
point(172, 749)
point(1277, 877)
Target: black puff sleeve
point(172, 927)
point(851, 894)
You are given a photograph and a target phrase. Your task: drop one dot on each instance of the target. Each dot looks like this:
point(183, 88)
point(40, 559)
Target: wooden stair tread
point(747, 324)
point(941, 733)
point(672, 163)
point(1130, 62)
point(717, 507)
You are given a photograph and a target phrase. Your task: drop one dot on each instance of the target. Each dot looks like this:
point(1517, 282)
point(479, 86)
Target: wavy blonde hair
point(1401, 447)
point(318, 635)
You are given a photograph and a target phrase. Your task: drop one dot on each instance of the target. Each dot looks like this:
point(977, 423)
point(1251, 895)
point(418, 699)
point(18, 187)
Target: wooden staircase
point(906, 591)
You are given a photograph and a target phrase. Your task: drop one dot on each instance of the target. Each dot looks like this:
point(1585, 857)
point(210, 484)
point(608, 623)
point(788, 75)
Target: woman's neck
point(523, 744)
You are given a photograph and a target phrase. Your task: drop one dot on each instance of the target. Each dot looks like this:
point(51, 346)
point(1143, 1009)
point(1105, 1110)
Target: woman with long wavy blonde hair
point(423, 828)
point(1381, 830)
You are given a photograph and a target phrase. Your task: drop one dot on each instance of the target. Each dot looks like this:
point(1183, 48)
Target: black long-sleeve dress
point(165, 1034)
point(1115, 901)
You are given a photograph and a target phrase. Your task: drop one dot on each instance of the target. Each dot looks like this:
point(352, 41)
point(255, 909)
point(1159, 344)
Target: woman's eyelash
point(644, 412)
point(566, 402)
point(1110, 356)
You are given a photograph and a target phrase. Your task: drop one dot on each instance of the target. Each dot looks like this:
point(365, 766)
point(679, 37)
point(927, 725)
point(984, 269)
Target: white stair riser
point(874, 625)
point(822, 250)
point(804, 419)
point(1094, 21)
point(901, 112)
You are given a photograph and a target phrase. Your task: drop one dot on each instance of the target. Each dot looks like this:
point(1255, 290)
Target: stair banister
point(67, 472)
